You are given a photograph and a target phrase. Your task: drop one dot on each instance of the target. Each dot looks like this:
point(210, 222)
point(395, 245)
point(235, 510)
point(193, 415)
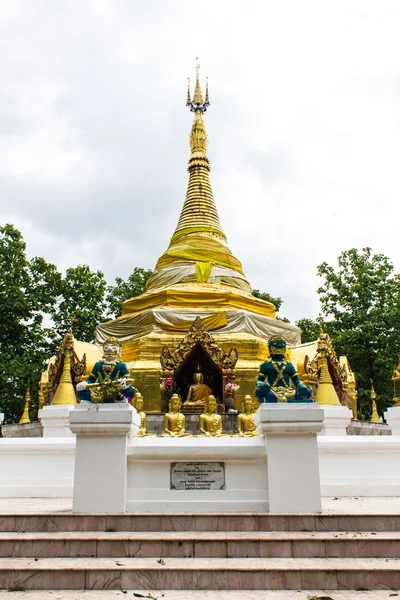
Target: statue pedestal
point(101, 457)
point(55, 420)
point(292, 455)
point(392, 416)
point(336, 420)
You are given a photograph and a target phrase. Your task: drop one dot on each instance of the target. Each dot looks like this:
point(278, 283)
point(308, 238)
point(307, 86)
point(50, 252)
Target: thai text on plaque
point(197, 476)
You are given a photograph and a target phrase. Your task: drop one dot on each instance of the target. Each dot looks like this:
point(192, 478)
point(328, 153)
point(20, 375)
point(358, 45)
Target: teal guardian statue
point(277, 376)
point(108, 380)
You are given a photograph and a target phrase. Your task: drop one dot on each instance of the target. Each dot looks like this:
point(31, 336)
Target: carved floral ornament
point(198, 334)
point(325, 350)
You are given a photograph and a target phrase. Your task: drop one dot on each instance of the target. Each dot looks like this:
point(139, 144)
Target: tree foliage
point(361, 299)
point(82, 304)
point(38, 306)
point(123, 290)
point(310, 330)
point(28, 289)
point(268, 298)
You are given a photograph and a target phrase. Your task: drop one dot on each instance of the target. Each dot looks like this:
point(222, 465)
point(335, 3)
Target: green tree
point(361, 298)
point(28, 290)
point(276, 301)
point(268, 298)
point(310, 330)
point(123, 290)
point(81, 304)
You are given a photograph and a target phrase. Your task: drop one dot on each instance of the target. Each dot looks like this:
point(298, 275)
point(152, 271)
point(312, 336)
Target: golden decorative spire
point(25, 415)
point(65, 393)
point(199, 212)
point(198, 261)
point(326, 393)
point(375, 414)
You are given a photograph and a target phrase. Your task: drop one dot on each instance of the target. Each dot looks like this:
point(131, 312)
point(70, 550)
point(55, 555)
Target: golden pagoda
point(25, 415)
point(375, 414)
point(65, 370)
point(330, 378)
point(198, 310)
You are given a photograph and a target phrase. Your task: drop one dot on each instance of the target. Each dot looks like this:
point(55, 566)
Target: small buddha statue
point(138, 403)
point(245, 421)
point(198, 391)
point(174, 420)
point(107, 381)
point(210, 421)
point(276, 376)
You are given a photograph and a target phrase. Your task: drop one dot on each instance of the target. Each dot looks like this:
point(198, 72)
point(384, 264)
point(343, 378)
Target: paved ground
point(364, 505)
point(190, 595)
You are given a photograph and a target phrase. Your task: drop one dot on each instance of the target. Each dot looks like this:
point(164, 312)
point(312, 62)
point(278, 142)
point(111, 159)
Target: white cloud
point(304, 131)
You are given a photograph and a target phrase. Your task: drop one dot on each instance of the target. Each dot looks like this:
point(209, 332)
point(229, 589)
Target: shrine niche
point(197, 368)
point(338, 372)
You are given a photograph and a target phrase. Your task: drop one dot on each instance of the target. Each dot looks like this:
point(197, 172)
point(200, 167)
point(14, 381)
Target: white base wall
point(349, 466)
point(149, 466)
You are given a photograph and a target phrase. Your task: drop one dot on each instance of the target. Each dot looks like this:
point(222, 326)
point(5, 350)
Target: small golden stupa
point(25, 414)
point(196, 277)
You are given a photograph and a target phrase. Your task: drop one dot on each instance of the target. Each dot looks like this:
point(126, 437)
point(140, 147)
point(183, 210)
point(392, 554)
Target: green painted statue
point(277, 377)
point(108, 380)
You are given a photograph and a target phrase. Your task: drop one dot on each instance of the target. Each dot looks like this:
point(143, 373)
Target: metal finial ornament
point(197, 104)
point(207, 100)
point(188, 100)
point(320, 320)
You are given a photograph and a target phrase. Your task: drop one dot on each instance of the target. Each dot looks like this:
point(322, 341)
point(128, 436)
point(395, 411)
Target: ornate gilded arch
point(198, 334)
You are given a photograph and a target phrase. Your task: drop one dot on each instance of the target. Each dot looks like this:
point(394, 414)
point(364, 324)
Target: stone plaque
point(197, 476)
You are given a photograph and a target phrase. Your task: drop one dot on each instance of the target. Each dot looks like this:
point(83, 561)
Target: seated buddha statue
point(174, 420)
point(138, 403)
point(210, 421)
point(198, 391)
point(278, 380)
point(245, 421)
point(107, 381)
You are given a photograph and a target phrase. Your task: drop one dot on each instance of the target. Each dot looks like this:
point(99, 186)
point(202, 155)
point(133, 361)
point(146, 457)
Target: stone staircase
point(200, 552)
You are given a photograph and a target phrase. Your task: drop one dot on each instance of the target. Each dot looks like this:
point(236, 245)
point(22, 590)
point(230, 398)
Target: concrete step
point(200, 573)
point(196, 522)
point(262, 544)
point(195, 595)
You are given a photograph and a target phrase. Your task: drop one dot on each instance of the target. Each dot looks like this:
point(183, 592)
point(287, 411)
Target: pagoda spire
point(199, 213)
point(198, 252)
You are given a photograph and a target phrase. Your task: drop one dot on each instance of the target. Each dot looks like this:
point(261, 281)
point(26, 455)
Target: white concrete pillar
point(55, 420)
point(101, 456)
point(336, 420)
point(392, 417)
point(292, 455)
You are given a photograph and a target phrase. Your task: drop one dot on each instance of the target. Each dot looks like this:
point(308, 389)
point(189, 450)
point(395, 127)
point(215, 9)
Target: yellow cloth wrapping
point(190, 230)
point(199, 248)
point(137, 326)
point(185, 272)
point(203, 271)
point(211, 323)
point(201, 298)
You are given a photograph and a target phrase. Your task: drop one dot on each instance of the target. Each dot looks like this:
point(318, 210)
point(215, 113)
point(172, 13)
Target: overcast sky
point(304, 131)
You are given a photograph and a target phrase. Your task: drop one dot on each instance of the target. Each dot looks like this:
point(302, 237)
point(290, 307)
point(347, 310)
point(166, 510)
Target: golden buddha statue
point(138, 403)
point(210, 420)
point(245, 421)
point(174, 420)
point(198, 391)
